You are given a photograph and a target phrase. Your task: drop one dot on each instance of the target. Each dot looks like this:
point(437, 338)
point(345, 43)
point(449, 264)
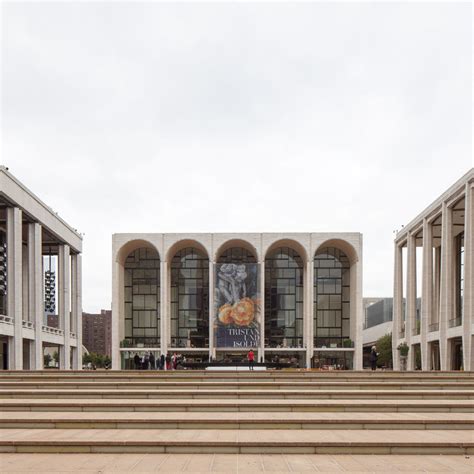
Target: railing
point(433, 327)
point(55, 331)
point(72, 335)
point(28, 324)
point(6, 319)
point(452, 323)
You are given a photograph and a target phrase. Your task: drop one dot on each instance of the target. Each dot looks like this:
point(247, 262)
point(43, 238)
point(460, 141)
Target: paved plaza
point(231, 463)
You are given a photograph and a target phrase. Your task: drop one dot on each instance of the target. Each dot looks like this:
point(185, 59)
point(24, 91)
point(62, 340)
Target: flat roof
point(20, 196)
point(451, 193)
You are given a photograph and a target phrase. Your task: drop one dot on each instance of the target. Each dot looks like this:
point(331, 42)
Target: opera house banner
point(237, 305)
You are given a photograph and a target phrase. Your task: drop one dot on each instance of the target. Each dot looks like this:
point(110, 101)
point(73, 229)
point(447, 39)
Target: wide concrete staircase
point(237, 412)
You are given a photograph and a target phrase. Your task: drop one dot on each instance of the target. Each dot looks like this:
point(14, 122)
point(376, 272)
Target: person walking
point(162, 362)
point(373, 357)
point(151, 358)
point(136, 360)
point(168, 362)
point(251, 359)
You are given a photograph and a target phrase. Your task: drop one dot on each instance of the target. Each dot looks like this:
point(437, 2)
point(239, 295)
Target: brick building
point(97, 332)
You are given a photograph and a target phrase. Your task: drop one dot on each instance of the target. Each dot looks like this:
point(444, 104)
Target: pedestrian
point(373, 357)
point(168, 362)
point(162, 362)
point(250, 358)
point(174, 360)
point(151, 358)
point(136, 360)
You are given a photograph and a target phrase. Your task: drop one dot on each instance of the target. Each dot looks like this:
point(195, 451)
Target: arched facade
point(142, 298)
point(189, 299)
point(284, 298)
point(275, 303)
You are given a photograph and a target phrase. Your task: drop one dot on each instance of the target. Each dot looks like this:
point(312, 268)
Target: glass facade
point(142, 299)
point(331, 299)
point(190, 299)
point(284, 291)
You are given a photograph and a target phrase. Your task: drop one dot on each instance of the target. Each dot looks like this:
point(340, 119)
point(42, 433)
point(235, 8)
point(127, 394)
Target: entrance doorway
point(435, 360)
point(456, 353)
point(3, 352)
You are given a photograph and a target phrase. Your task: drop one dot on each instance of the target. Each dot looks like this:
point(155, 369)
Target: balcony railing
point(72, 335)
point(6, 319)
point(55, 331)
point(452, 323)
point(433, 327)
point(28, 324)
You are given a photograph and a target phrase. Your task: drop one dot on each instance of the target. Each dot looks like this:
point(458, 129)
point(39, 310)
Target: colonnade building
point(40, 274)
point(434, 261)
point(214, 296)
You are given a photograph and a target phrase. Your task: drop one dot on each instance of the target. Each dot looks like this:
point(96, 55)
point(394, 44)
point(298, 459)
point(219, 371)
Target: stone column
point(212, 311)
point(468, 316)
point(309, 329)
point(358, 314)
point(25, 312)
point(118, 311)
point(76, 310)
point(261, 350)
point(427, 291)
point(446, 284)
point(64, 300)
point(14, 284)
point(410, 323)
point(165, 314)
point(35, 286)
point(397, 305)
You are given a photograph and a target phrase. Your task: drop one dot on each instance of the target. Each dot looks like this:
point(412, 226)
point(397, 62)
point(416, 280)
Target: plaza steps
point(261, 412)
point(240, 405)
point(238, 421)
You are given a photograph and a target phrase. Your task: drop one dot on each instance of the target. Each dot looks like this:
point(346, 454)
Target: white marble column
point(76, 310)
point(25, 299)
point(35, 293)
point(14, 284)
point(468, 317)
point(446, 284)
point(261, 350)
point(427, 291)
point(118, 312)
point(212, 311)
point(309, 327)
point(358, 313)
point(64, 300)
point(410, 323)
point(397, 305)
point(164, 308)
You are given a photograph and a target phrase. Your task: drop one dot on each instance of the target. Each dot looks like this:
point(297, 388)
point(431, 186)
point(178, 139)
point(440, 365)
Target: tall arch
point(141, 295)
point(238, 250)
point(284, 297)
point(189, 297)
point(333, 294)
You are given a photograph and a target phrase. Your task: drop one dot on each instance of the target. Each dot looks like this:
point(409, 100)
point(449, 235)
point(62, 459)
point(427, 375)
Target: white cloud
point(236, 117)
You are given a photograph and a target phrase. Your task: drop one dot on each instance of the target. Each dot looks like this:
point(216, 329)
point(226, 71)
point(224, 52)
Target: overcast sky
point(236, 118)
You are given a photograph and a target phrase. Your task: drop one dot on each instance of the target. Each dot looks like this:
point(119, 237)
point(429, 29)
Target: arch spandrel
point(126, 249)
point(236, 243)
point(186, 243)
point(290, 243)
point(342, 245)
